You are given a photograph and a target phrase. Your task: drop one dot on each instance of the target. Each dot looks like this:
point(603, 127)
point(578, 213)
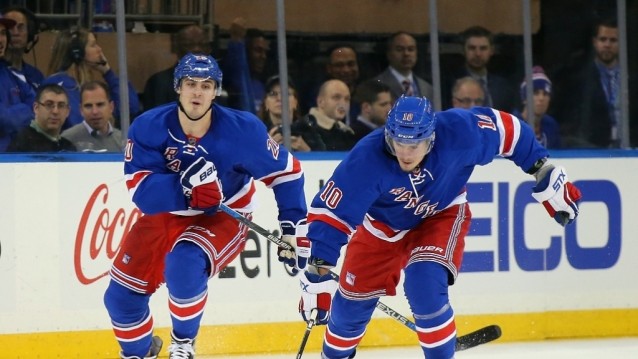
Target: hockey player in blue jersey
point(181, 161)
point(398, 200)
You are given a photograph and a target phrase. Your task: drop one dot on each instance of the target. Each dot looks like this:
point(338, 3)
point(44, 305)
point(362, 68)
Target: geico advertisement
point(63, 223)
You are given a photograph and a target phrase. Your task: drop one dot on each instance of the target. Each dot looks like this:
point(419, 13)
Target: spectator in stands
point(24, 36)
point(76, 59)
point(244, 66)
point(16, 96)
point(303, 137)
point(333, 103)
point(467, 92)
point(51, 108)
point(587, 103)
point(545, 126)
point(96, 133)
point(159, 87)
point(375, 100)
point(401, 52)
point(478, 48)
point(342, 64)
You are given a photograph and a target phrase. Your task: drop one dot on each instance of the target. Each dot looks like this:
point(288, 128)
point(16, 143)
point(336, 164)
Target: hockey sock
point(347, 325)
point(131, 319)
point(426, 287)
point(186, 274)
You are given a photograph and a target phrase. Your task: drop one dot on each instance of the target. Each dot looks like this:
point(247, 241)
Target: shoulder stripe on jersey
point(290, 173)
point(242, 201)
point(510, 130)
point(324, 215)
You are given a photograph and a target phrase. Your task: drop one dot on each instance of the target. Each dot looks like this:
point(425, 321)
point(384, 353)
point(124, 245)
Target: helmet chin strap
point(181, 108)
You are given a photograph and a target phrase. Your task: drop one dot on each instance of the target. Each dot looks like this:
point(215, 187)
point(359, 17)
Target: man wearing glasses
point(467, 93)
point(51, 108)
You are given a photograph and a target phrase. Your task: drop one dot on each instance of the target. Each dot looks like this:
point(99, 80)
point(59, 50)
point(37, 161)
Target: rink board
point(63, 220)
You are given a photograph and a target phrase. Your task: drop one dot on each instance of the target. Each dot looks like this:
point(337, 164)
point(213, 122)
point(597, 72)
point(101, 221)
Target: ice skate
point(156, 347)
point(181, 348)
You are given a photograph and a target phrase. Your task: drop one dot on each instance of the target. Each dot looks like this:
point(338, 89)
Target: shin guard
point(131, 319)
point(187, 272)
point(426, 287)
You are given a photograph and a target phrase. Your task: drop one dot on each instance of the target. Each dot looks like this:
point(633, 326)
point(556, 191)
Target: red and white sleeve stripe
point(292, 172)
point(509, 129)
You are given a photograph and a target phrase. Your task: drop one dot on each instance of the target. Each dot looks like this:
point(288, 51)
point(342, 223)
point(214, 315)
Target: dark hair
point(477, 31)
point(610, 22)
point(33, 24)
point(275, 80)
point(336, 46)
point(369, 90)
point(388, 44)
point(252, 34)
point(268, 86)
point(55, 88)
point(94, 85)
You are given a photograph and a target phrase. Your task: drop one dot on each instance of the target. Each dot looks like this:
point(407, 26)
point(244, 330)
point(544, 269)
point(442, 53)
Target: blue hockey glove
point(316, 293)
point(202, 187)
point(559, 196)
point(297, 258)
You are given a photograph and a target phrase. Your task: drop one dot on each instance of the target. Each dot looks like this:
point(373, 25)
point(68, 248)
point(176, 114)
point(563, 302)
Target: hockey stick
point(311, 323)
point(478, 337)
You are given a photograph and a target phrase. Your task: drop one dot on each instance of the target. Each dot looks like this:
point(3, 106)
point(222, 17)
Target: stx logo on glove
point(560, 180)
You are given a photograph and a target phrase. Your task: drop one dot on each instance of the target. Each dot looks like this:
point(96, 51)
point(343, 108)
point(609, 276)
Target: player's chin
point(407, 167)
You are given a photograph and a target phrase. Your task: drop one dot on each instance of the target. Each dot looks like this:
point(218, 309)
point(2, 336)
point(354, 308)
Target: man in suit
point(375, 101)
point(478, 48)
point(587, 101)
point(401, 53)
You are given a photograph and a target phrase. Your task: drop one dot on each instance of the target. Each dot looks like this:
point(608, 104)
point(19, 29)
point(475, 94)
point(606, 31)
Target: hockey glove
point(202, 187)
point(559, 196)
point(316, 293)
point(297, 258)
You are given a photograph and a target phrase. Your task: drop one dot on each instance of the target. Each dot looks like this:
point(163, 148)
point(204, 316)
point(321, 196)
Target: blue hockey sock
point(131, 319)
point(347, 325)
point(187, 272)
point(426, 287)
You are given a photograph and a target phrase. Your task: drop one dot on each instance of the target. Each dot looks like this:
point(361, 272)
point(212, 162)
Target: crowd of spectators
point(330, 111)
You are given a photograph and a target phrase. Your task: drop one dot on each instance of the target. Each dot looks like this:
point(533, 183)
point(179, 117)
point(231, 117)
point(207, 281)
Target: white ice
point(549, 349)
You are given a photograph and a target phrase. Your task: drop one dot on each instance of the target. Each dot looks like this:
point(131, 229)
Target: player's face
point(334, 102)
point(258, 54)
point(402, 53)
point(343, 65)
point(273, 101)
point(3, 40)
point(196, 95)
point(606, 45)
point(19, 32)
point(379, 109)
point(96, 109)
point(541, 102)
point(51, 110)
point(478, 51)
point(468, 95)
point(410, 155)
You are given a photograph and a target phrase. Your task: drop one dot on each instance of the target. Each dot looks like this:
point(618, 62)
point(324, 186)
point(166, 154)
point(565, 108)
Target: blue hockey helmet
point(410, 121)
point(198, 66)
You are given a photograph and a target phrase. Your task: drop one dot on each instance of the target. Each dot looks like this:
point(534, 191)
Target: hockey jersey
point(158, 151)
point(369, 188)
